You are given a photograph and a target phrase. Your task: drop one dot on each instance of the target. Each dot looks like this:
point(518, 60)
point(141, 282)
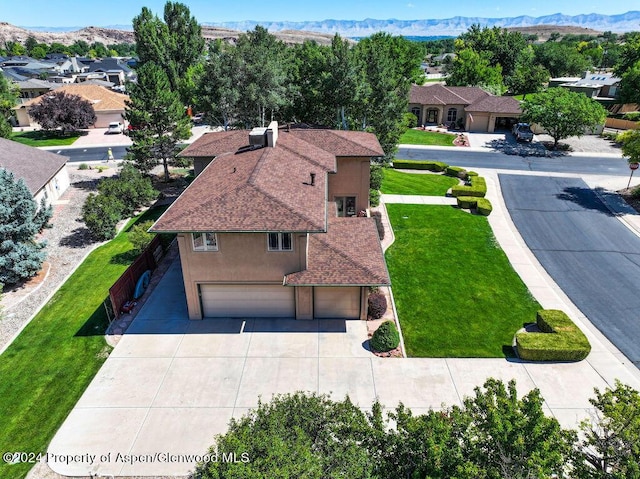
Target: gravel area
point(68, 243)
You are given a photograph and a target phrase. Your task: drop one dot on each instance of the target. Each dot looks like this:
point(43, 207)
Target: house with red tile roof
point(468, 107)
point(274, 224)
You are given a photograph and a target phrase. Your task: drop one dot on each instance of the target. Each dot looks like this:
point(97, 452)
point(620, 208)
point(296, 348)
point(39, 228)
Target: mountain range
point(625, 22)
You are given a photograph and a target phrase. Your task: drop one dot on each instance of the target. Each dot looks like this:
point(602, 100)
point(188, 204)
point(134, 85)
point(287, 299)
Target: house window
point(205, 242)
point(416, 111)
point(346, 205)
point(279, 242)
point(452, 114)
point(432, 115)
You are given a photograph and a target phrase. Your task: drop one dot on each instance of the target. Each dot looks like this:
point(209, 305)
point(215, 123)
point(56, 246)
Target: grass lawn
point(455, 291)
point(43, 138)
point(399, 183)
point(420, 137)
point(47, 368)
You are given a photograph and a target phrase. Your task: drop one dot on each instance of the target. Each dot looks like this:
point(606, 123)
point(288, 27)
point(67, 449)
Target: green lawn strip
point(420, 137)
point(49, 365)
point(42, 138)
point(455, 291)
point(399, 183)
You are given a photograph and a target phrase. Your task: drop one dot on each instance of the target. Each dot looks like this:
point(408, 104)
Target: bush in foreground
point(385, 338)
point(437, 166)
point(560, 339)
point(477, 188)
point(377, 305)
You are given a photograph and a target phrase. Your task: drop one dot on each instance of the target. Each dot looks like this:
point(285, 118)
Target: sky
point(59, 13)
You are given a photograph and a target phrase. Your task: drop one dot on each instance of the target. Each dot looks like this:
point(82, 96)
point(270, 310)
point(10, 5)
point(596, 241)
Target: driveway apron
point(590, 254)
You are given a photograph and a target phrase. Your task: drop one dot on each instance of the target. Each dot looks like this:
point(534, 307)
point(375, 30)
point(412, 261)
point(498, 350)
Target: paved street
point(592, 256)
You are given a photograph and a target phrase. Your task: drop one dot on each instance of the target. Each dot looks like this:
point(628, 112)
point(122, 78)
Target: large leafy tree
point(175, 44)
point(527, 76)
point(631, 145)
point(610, 445)
point(499, 46)
point(563, 113)
point(560, 59)
point(295, 435)
point(8, 98)
point(630, 84)
point(21, 219)
point(470, 68)
point(343, 83)
point(630, 54)
point(64, 112)
point(159, 117)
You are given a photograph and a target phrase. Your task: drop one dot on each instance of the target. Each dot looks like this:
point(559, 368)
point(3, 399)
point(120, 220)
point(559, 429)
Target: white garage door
point(336, 302)
point(240, 301)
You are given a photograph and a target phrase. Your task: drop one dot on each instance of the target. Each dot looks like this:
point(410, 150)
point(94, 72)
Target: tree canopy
point(21, 220)
point(563, 113)
point(8, 99)
point(64, 112)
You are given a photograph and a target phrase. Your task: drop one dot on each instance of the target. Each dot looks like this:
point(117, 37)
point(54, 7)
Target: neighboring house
point(469, 107)
point(33, 88)
point(599, 86)
point(116, 69)
point(43, 172)
point(108, 105)
point(270, 226)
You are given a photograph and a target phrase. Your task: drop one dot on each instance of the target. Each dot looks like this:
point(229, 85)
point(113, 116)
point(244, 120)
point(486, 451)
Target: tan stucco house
point(43, 172)
point(108, 105)
point(273, 226)
point(469, 107)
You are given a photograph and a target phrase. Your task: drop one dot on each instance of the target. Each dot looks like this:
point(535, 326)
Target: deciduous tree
point(563, 113)
point(8, 99)
point(470, 68)
point(64, 112)
point(21, 219)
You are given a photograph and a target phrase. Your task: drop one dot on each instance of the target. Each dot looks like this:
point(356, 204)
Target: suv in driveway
point(115, 127)
point(522, 132)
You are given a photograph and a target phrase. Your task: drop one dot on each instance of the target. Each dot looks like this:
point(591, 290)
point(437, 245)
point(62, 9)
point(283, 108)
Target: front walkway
point(171, 384)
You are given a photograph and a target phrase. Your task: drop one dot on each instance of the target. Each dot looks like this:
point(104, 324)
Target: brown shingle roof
point(339, 142)
point(257, 190)
point(36, 167)
point(445, 95)
point(100, 97)
point(496, 104)
point(349, 254)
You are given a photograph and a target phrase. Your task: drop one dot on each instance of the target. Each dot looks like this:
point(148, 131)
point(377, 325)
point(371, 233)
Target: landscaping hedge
point(456, 172)
point(477, 188)
point(437, 166)
point(467, 202)
point(385, 338)
point(560, 339)
point(483, 206)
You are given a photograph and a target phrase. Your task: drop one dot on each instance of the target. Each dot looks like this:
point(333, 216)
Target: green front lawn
point(455, 290)
point(420, 137)
point(47, 368)
point(44, 138)
point(427, 184)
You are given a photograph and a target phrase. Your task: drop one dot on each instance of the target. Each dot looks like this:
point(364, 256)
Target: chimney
point(272, 134)
point(258, 137)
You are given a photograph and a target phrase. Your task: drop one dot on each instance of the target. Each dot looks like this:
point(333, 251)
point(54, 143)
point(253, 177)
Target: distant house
point(108, 105)
point(273, 226)
point(43, 172)
point(33, 88)
point(599, 86)
point(470, 108)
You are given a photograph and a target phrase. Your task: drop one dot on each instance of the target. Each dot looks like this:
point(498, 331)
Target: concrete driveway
point(172, 384)
point(590, 254)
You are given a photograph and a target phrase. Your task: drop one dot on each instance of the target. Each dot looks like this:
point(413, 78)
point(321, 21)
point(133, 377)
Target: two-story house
point(272, 225)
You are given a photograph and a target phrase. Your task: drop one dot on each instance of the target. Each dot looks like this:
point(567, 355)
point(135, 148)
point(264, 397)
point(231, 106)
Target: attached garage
point(247, 301)
point(336, 302)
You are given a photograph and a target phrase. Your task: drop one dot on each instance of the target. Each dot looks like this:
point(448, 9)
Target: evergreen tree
point(21, 220)
point(8, 98)
point(160, 119)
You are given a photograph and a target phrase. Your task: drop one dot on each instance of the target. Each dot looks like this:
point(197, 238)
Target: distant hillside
point(625, 22)
point(543, 32)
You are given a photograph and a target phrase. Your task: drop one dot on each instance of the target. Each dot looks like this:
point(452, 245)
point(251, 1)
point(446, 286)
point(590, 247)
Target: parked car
point(522, 132)
point(115, 127)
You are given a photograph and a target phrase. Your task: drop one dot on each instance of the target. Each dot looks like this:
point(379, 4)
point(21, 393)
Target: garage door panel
point(238, 301)
point(337, 302)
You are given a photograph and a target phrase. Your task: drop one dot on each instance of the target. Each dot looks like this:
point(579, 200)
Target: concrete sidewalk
point(171, 384)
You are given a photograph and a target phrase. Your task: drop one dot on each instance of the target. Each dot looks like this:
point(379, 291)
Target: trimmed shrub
point(139, 237)
point(376, 215)
point(477, 188)
point(437, 166)
point(467, 202)
point(456, 172)
point(375, 177)
point(385, 338)
point(374, 198)
point(83, 166)
point(472, 173)
point(101, 214)
point(483, 206)
point(377, 305)
point(560, 339)
point(632, 116)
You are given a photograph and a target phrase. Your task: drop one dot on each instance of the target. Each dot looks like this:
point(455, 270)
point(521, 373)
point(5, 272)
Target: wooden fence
point(619, 124)
point(123, 289)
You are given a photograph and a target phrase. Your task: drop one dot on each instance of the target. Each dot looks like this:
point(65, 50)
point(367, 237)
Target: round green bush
point(385, 338)
point(83, 166)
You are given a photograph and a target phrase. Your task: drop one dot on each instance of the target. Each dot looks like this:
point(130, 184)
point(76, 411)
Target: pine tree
point(21, 220)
